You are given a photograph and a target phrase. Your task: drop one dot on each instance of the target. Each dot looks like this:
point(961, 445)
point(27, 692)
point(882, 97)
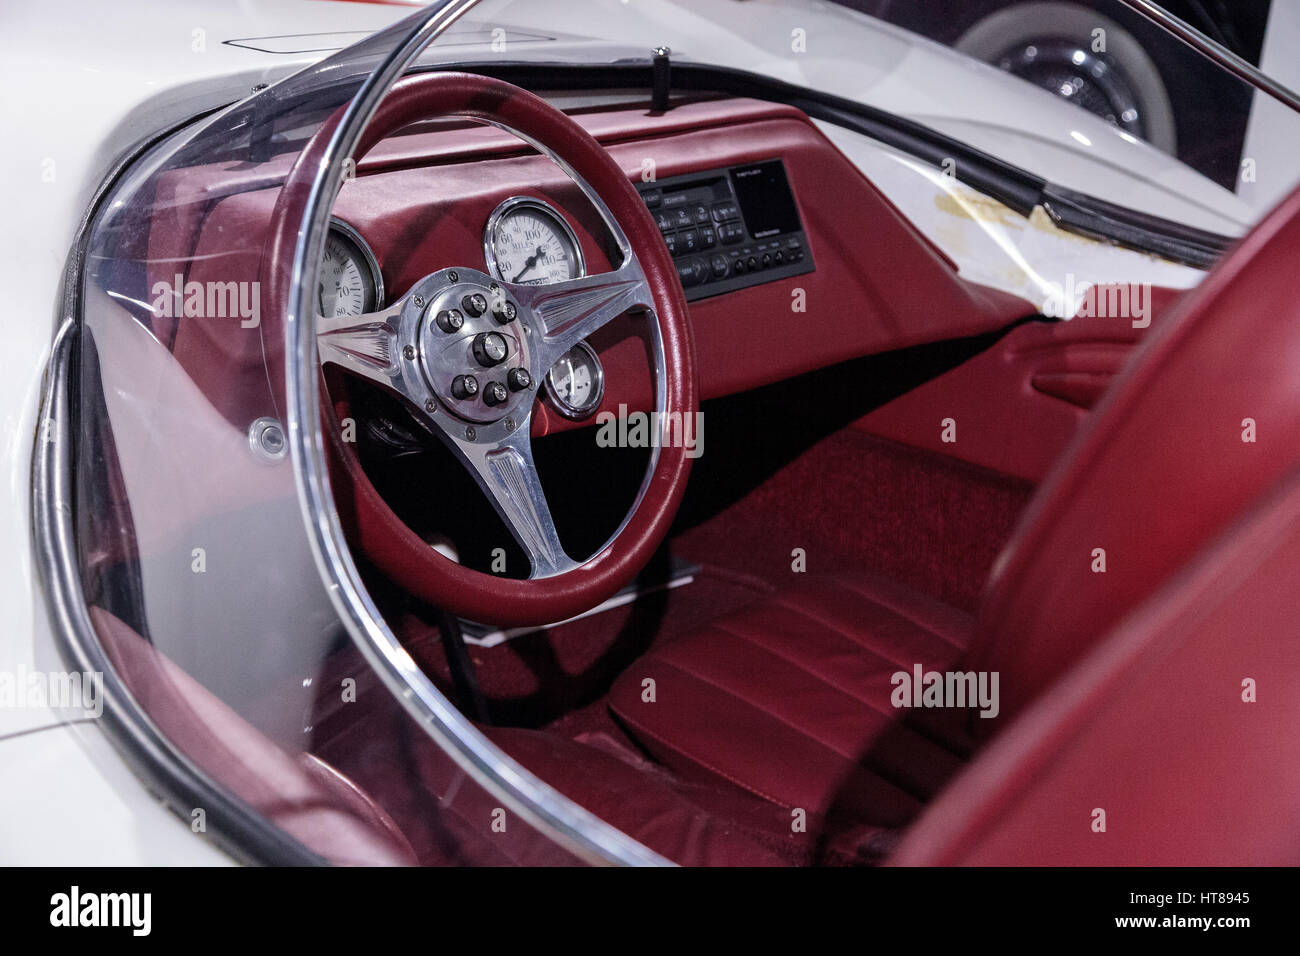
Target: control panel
point(730, 228)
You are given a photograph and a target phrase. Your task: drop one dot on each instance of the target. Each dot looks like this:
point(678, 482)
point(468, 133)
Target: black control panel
point(730, 228)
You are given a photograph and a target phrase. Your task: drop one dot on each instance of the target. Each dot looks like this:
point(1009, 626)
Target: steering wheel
point(460, 322)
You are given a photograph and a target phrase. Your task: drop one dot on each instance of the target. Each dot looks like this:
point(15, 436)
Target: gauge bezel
point(541, 206)
point(562, 405)
point(350, 234)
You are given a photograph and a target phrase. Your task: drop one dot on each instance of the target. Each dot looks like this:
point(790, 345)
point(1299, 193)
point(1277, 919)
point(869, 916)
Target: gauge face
point(529, 243)
point(576, 383)
point(349, 276)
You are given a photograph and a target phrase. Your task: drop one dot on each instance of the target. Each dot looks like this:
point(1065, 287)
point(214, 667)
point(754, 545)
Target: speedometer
point(528, 242)
point(350, 281)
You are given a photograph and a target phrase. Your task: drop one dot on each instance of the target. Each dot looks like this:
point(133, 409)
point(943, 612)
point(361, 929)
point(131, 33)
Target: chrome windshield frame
point(1216, 52)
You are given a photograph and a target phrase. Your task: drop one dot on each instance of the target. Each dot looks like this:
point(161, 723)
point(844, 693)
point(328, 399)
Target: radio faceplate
point(730, 228)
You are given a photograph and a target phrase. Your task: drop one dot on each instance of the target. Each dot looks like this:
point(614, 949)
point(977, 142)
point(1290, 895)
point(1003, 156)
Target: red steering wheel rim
point(370, 524)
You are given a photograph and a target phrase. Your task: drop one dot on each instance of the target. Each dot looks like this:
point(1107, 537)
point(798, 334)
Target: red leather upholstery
point(1018, 404)
point(637, 798)
point(1152, 728)
point(1160, 470)
point(789, 699)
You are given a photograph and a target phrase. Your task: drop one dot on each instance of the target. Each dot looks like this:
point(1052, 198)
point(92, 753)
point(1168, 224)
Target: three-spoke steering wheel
point(459, 326)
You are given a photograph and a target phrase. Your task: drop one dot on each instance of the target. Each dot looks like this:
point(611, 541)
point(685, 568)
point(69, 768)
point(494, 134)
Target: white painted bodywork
point(86, 80)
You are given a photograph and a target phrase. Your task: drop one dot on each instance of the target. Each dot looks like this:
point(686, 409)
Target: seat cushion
point(789, 698)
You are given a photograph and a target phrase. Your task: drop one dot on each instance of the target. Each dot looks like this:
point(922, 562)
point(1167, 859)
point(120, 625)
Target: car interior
point(894, 468)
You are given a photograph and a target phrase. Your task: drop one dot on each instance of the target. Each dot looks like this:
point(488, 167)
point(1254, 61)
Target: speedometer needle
point(529, 263)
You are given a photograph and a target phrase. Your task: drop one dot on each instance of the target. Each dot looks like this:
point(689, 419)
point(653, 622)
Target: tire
point(1131, 79)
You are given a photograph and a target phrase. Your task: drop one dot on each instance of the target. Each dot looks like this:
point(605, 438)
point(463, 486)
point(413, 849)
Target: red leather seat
point(790, 699)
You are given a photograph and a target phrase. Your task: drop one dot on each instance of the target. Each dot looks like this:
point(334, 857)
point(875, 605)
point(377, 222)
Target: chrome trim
point(571, 826)
point(1218, 53)
point(376, 275)
point(516, 202)
point(563, 405)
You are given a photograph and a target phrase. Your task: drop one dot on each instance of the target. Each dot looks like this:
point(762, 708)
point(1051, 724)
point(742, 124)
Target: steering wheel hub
point(472, 344)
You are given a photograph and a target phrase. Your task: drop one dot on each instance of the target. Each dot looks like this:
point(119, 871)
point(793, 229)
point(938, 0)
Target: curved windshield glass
point(201, 586)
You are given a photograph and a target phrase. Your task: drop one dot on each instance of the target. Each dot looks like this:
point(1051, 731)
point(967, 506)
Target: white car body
point(86, 81)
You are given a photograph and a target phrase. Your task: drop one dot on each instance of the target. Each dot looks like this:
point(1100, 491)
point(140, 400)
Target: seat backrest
point(1204, 419)
point(1171, 743)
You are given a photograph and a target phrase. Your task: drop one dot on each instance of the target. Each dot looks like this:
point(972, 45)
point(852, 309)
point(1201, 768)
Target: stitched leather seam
point(847, 758)
point(675, 748)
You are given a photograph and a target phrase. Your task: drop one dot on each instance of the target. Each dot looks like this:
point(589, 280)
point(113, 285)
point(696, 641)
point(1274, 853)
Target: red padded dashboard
point(421, 201)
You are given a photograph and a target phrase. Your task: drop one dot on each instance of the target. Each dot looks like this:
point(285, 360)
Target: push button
point(490, 349)
point(708, 237)
point(691, 272)
point(724, 211)
point(464, 386)
point(682, 218)
point(450, 320)
point(720, 266)
point(730, 232)
point(688, 240)
point(664, 221)
point(653, 197)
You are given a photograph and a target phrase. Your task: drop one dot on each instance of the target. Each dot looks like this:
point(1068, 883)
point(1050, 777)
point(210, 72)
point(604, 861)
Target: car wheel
point(1052, 45)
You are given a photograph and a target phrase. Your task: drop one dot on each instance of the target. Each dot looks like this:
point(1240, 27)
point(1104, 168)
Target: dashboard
point(790, 259)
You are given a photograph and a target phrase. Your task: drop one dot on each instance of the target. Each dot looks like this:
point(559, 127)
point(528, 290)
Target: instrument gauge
point(350, 280)
point(528, 242)
point(576, 382)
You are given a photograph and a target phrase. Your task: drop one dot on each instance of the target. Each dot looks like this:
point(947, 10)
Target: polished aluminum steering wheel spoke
point(507, 473)
point(568, 312)
point(366, 345)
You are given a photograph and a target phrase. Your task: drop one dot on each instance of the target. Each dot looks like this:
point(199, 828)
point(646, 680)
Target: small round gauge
point(576, 382)
point(528, 242)
point(350, 282)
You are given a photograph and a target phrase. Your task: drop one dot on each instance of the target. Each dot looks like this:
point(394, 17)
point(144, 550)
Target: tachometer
point(350, 281)
point(528, 242)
